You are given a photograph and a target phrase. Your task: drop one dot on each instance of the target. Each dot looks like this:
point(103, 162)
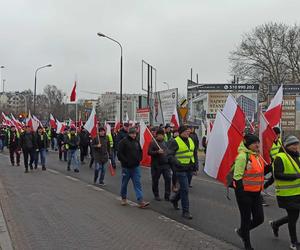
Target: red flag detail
point(73, 94)
point(145, 140)
point(91, 124)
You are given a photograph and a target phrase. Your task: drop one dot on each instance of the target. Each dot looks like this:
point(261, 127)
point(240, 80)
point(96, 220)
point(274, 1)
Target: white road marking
point(53, 171)
point(95, 188)
point(71, 178)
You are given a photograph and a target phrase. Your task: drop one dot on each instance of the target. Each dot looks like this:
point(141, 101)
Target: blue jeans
point(183, 192)
point(73, 155)
point(42, 153)
point(135, 175)
point(113, 158)
point(100, 167)
point(1, 144)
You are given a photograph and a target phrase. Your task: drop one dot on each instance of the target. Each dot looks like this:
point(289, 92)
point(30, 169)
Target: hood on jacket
point(243, 149)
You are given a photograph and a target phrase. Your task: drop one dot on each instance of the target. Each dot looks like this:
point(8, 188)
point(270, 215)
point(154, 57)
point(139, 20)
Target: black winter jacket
point(130, 153)
point(159, 160)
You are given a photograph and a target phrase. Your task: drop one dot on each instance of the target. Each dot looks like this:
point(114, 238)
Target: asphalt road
point(53, 210)
point(213, 214)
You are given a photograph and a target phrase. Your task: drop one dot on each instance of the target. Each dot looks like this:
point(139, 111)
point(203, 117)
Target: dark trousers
point(291, 219)
point(83, 152)
point(183, 193)
point(61, 153)
point(190, 176)
point(27, 153)
point(156, 173)
point(12, 153)
point(251, 211)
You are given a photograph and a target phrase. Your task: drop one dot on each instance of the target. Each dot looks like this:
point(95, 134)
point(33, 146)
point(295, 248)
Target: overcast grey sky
point(172, 35)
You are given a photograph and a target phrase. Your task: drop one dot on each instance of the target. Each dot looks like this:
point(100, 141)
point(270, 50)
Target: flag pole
point(153, 138)
point(249, 123)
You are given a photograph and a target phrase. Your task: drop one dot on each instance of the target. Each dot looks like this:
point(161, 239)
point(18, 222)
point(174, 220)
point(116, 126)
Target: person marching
point(160, 165)
point(130, 156)
point(62, 151)
point(84, 143)
point(42, 143)
point(72, 144)
point(28, 145)
point(101, 154)
point(195, 168)
point(13, 144)
point(286, 171)
point(248, 181)
point(182, 157)
point(168, 133)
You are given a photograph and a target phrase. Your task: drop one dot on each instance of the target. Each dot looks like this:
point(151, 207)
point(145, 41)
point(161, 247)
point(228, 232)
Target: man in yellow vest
point(182, 158)
point(286, 168)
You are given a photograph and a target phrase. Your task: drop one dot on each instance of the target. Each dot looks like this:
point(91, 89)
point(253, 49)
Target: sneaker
point(187, 215)
point(190, 186)
point(157, 198)
point(43, 168)
point(295, 246)
point(124, 202)
point(175, 204)
point(274, 228)
point(144, 204)
point(102, 184)
point(76, 170)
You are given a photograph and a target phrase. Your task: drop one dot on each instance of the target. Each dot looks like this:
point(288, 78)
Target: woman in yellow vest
point(248, 181)
point(286, 169)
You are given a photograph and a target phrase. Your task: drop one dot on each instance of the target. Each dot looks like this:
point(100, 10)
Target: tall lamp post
point(1, 72)
point(121, 71)
point(34, 94)
point(167, 85)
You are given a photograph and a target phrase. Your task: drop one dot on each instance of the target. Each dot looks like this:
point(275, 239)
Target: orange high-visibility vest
point(253, 179)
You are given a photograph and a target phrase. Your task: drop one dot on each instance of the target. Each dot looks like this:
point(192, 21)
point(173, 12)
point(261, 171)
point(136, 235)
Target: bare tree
point(268, 55)
point(55, 100)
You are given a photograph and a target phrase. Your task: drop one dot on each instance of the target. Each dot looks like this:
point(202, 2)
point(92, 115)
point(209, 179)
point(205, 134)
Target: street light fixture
point(167, 85)
point(121, 72)
point(34, 94)
point(1, 72)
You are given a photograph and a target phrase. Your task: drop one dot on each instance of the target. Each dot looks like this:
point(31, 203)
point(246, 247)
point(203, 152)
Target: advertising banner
point(164, 104)
point(143, 114)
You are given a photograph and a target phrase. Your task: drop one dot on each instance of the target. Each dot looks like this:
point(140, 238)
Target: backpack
point(229, 177)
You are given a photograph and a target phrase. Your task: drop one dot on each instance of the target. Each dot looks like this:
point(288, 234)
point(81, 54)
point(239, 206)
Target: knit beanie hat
point(250, 139)
point(160, 132)
point(290, 141)
point(182, 129)
point(276, 130)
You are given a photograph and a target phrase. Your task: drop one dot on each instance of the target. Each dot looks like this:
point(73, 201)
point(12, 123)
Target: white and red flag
point(16, 123)
point(60, 127)
point(6, 120)
point(91, 124)
point(52, 122)
point(117, 124)
point(107, 128)
point(145, 140)
point(32, 122)
point(175, 118)
point(224, 140)
point(273, 113)
point(37, 121)
point(73, 93)
point(266, 137)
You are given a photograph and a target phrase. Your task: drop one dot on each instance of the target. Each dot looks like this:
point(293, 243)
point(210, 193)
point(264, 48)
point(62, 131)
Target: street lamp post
point(1, 72)
point(34, 94)
point(167, 85)
point(121, 72)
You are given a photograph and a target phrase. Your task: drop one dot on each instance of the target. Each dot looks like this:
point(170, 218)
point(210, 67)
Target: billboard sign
point(143, 114)
point(164, 105)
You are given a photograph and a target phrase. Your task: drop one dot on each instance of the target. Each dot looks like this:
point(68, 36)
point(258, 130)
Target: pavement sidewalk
point(50, 210)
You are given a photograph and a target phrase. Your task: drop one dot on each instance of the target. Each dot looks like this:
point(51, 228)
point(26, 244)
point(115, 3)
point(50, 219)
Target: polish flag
point(175, 119)
point(126, 117)
point(37, 122)
point(6, 120)
point(209, 128)
point(73, 93)
point(107, 128)
point(117, 125)
point(266, 137)
point(52, 122)
point(224, 140)
point(91, 124)
point(273, 113)
point(16, 123)
point(31, 122)
point(60, 127)
point(145, 140)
